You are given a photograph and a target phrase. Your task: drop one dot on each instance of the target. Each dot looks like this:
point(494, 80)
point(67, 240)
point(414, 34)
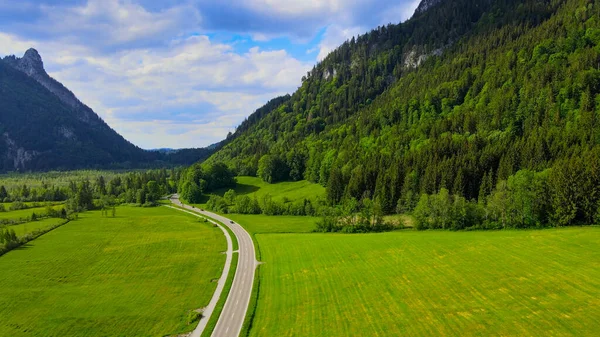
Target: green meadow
point(28, 227)
point(275, 224)
point(138, 274)
point(287, 191)
point(436, 283)
point(25, 213)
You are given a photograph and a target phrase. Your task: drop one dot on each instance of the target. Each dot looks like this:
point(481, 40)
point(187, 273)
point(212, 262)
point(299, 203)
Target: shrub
point(193, 316)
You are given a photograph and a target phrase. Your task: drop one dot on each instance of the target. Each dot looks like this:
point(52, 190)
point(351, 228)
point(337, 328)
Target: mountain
point(44, 126)
point(462, 96)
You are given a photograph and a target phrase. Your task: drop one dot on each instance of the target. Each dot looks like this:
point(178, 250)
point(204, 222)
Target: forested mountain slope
point(462, 96)
point(44, 126)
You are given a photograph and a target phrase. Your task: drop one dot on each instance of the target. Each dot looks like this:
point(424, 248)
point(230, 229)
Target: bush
point(193, 316)
point(445, 211)
point(17, 205)
point(217, 204)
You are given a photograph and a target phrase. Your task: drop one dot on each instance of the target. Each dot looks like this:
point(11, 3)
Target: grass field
point(408, 283)
point(283, 191)
point(293, 191)
point(29, 227)
point(138, 274)
point(275, 224)
point(25, 213)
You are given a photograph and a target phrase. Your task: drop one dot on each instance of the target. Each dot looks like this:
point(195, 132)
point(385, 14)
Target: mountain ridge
point(44, 126)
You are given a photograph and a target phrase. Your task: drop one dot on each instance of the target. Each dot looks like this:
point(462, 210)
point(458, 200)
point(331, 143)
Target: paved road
point(210, 308)
point(233, 314)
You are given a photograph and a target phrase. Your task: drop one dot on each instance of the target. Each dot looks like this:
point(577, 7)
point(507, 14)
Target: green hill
point(462, 96)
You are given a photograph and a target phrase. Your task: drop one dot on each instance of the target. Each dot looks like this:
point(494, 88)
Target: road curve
point(234, 312)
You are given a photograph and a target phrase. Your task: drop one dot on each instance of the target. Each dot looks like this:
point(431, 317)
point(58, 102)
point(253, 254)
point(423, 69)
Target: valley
point(362, 168)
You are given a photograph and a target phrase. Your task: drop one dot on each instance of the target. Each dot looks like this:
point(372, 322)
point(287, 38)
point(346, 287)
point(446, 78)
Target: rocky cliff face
point(32, 65)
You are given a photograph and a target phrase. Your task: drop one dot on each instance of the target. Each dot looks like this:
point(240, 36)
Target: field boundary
point(221, 283)
point(28, 237)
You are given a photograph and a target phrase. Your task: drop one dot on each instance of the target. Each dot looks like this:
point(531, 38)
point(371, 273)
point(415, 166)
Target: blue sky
point(183, 73)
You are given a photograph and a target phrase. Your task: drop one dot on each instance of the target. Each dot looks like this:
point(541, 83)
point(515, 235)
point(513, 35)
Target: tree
point(190, 192)
point(423, 213)
point(84, 196)
point(296, 162)
point(100, 186)
point(3, 193)
point(272, 169)
point(153, 191)
point(564, 184)
point(335, 186)
point(140, 196)
point(230, 197)
point(218, 175)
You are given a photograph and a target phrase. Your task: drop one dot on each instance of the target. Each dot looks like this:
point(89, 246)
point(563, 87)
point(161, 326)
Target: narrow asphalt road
point(232, 317)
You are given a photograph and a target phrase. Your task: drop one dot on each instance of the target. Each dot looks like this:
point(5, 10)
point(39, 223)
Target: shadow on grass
point(240, 189)
point(24, 247)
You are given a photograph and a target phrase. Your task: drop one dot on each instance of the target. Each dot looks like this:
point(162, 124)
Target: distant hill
point(43, 126)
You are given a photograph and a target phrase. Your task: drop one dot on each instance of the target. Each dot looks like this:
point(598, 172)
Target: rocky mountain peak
point(31, 63)
point(425, 5)
point(32, 55)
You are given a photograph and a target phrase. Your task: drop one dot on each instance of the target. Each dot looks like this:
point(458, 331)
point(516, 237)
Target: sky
point(183, 73)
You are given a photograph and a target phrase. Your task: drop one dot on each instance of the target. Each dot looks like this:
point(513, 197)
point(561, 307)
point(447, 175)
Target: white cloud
point(109, 23)
point(295, 7)
point(400, 12)
point(11, 45)
point(160, 85)
point(192, 80)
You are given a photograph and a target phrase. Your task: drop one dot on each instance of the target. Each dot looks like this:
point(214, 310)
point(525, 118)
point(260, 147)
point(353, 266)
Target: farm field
point(31, 226)
point(138, 274)
point(408, 283)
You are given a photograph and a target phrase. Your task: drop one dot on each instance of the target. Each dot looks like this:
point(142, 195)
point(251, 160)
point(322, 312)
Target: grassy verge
point(249, 319)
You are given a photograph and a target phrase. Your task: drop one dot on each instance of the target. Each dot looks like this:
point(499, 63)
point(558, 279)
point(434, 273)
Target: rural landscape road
point(234, 312)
